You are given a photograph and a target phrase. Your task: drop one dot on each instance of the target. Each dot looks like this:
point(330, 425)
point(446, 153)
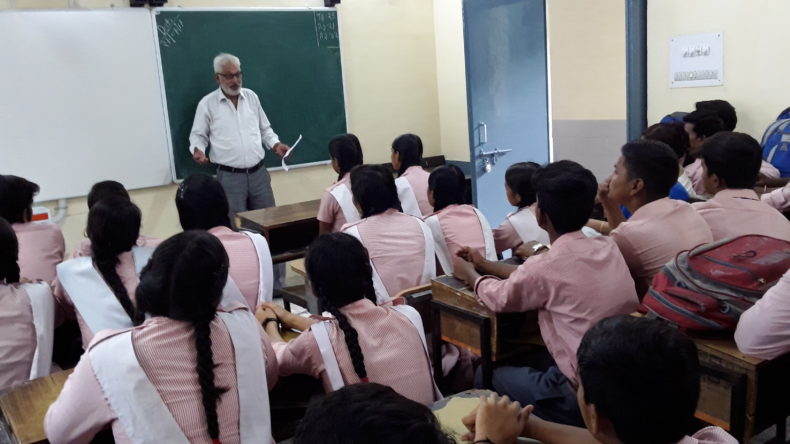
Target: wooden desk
point(460, 320)
point(23, 408)
point(289, 229)
point(742, 394)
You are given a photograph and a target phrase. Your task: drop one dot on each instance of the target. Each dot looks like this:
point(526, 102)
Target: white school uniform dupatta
point(408, 199)
point(428, 266)
point(526, 225)
point(143, 414)
point(443, 252)
point(43, 307)
point(345, 200)
point(91, 296)
point(266, 278)
point(332, 368)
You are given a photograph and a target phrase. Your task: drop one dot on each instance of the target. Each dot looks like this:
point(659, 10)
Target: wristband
point(483, 441)
point(267, 320)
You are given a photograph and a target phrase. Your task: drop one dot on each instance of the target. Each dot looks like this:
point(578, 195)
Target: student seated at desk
point(337, 204)
point(400, 246)
point(660, 227)
point(99, 289)
point(454, 224)
point(369, 413)
point(731, 162)
point(764, 329)
point(364, 342)
point(202, 205)
point(104, 190)
point(41, 245)
point(520, 226)
point(27, 316)
point(778, 198)
point(176, 377)
point(676, 138)
point(574, 284)
point(412, 179)
point(699, 125)
point(639, 381)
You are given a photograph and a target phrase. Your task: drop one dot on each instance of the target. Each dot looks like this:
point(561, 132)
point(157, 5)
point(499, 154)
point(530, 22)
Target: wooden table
point(289, 229)
point(460, 320)
point(739, 393)
point(23, 408)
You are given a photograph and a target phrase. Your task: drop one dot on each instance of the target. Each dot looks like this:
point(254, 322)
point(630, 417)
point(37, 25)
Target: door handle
point(483, 133)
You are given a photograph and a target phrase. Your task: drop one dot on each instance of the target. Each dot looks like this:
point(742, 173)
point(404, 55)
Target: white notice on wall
point(696, 60)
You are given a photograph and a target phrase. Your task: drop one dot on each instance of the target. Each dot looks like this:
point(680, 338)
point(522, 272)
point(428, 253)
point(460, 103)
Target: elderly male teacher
point(232, 122)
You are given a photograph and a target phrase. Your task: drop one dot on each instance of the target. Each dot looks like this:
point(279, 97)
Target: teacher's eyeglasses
point(236, 75)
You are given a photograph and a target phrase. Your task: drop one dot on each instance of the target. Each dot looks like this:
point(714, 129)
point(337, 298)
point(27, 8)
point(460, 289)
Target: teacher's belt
point(240, 170)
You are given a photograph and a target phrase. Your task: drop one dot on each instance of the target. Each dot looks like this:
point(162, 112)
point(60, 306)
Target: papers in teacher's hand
point(288, 153)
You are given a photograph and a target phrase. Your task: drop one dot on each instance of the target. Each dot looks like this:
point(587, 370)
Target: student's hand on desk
point(463, 270)
point(469, 254)
point(200, 157)
point(497, 419)
point(281, 149)
point(263, 313)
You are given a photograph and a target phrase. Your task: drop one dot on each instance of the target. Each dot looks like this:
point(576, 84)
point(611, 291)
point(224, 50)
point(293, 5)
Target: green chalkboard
point(291, 59)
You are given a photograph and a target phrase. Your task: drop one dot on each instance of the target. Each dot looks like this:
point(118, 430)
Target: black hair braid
point(106, 262)
point(351, 337)
point(205, 370)
point(9, 271)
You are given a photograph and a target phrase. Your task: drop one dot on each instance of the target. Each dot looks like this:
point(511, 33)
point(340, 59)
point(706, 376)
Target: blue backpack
point(776, 143)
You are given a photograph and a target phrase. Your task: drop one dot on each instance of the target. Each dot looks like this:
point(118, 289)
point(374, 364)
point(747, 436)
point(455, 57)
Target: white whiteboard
point(81, 100)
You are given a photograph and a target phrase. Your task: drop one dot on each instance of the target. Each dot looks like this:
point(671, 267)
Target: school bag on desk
point(707, 288)
point(776, 143)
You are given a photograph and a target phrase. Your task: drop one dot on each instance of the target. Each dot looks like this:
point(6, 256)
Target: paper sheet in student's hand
point(288, 153)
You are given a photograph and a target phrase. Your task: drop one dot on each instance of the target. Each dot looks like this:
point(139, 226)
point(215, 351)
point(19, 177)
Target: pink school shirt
point(65, 308)
point(778, 198)
point(329, 210)
point(461, 228)
point(655, 234)
point(396, 245)
point(392, 350)
point(17, 335)
point(695, 173)
point(41, 249)
point(566, 286)
point(737, 212)
point(418, 179)
point(84, 248)
point(764, 330)
point(709, 435)
point(244, 262)
point(165, 349)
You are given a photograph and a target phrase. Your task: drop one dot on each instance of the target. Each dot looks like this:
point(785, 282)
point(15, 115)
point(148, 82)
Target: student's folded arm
point(497, 269)
point(520, 292)
point(299, 356)
point(763, 331)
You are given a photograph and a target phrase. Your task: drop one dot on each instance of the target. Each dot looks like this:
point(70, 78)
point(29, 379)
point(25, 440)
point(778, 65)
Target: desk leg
point(486, 367)
point(436, 343)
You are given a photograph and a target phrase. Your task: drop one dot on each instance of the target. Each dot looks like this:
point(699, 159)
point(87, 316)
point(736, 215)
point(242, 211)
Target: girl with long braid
point(337, 204)
point(176, 377)
point(364, 342)
point(99, 289)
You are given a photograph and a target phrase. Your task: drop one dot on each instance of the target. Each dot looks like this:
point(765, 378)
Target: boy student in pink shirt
point(454, 223)
point(400, 246)
point(412, 179)
point(764, 329)
point(104, 190)
point(731, 162)
point(659, 227)
point(179, 375)
point(639, 380)
point(27, 316)
point(98, 290)
point(337, 204)
point(574, 284)
point(699, 125)
point(520, 226)
point(202, 205)
point(364, 342)
point(41, 245)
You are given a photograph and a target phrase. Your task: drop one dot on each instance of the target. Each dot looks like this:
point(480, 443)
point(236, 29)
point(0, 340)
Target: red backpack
point(708, 287)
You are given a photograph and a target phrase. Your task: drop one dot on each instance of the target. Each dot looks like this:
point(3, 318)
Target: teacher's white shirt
point(236, 135)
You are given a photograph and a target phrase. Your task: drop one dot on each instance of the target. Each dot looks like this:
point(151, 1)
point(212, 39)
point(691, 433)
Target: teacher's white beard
point(231, 92)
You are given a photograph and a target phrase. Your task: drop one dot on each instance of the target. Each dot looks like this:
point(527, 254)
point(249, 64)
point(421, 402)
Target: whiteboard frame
point(155, 12)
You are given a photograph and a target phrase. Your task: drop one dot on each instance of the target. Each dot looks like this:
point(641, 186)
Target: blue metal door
point(507, 93)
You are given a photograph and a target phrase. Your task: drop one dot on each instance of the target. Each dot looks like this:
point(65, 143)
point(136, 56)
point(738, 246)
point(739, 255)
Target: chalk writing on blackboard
point(326, 33)
point(169, 30)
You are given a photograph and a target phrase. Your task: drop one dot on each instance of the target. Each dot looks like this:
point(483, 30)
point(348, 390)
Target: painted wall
point(389, 61)
point(755, 69)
